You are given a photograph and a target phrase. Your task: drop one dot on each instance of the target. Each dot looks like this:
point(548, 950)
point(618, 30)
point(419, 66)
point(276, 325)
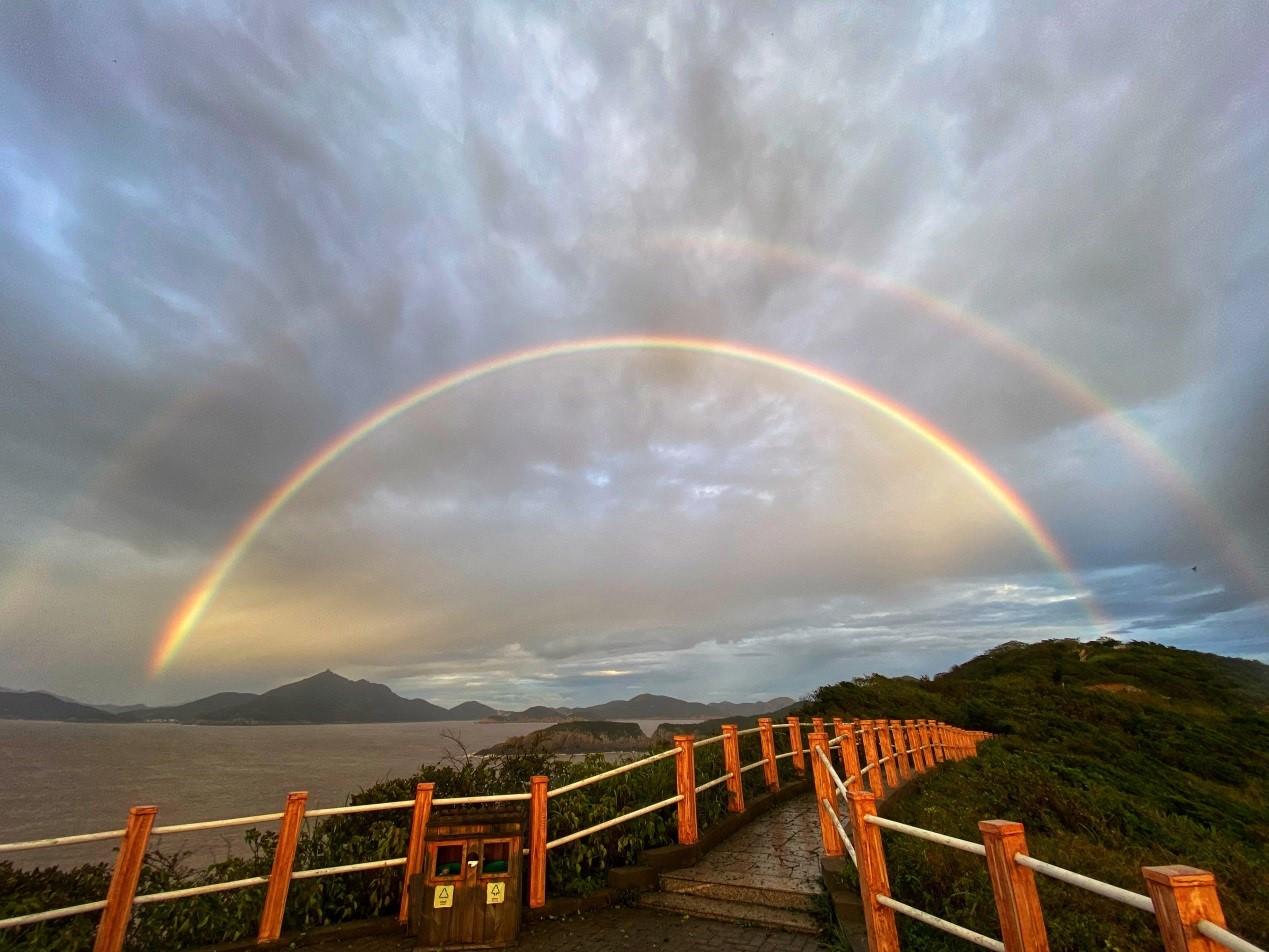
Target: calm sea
point(57, 779)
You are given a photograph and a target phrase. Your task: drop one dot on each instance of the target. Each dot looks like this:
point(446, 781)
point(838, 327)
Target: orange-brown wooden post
point(927, 743)
point(770, 766)
point(283, 863)
point(113, 926)
point(936, 739)
point(824, 791)
point(876, 733)
point(1017, 902)
point(958, 743)
point(901, 758)
point(414, 851)
point(850, 757)
point(817, 725)
point(842, 734)
point(1182, 895)
point(914, 745)
point(537, 841)
point(874, 880)
point(731, 764)
point(795, 744)
point(685, 777)
point(875, 782)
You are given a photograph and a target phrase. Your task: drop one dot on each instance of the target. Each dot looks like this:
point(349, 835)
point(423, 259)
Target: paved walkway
point(780, 850)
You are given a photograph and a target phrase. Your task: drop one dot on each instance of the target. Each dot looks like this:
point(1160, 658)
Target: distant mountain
point(471, 711)
point(42, 706)
point(658, 705)
point(328, 698)
point(533, 715)
point(576, 737)
point(204, 707)
point(120, 708)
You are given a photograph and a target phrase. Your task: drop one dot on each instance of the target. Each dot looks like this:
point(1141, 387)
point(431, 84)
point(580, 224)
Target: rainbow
point(187, 614)
point(1074, 391)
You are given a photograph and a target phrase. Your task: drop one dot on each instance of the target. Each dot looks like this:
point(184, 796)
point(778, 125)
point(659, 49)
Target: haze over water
point(64, 778)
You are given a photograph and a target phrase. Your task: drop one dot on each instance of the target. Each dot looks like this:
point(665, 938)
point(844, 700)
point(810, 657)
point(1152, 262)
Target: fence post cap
point(1000, 826)
point(424, 785)
point(1178, 875)
point(142, 811)
point(864, 795)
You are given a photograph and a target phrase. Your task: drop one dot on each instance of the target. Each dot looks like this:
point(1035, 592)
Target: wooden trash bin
point(469, 893)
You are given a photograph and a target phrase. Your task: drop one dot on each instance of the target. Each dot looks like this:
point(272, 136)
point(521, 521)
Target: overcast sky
point(228, 233)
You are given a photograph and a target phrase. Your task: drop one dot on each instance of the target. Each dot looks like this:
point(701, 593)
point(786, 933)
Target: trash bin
point(469, 892)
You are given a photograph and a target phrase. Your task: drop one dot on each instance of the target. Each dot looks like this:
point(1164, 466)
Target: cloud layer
point(226, 234)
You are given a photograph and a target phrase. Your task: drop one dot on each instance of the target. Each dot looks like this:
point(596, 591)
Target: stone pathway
point(778, 851)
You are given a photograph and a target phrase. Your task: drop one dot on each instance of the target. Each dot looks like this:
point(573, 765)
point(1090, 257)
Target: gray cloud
point(226, 235)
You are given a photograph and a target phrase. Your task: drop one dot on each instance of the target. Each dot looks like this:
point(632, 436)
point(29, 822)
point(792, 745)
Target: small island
point(577, 737)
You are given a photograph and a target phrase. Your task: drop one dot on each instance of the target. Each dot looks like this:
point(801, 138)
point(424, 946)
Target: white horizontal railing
point(668, 801)
point(713, 783)
point(1106, 890)
point(350, 868)
point(215, 824)
point(707, 741)
point(753, 766)
point(62, 840)
point(832, 815)
point(1211, 930)
point(624, 768)
point(34, 917)
point(200, 890)
point(922, 834)
point(951, 928)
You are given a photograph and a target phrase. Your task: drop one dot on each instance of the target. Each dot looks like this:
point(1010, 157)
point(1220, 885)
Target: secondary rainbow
point(187, 614)
point(1074, 391)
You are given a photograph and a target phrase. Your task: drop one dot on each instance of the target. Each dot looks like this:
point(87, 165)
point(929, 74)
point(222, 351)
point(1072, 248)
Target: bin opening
point(449, 860)
point(497, 858)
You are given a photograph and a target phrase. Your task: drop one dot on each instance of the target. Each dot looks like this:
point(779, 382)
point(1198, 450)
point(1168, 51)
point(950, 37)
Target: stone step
point(732, 892)
point(703, 907)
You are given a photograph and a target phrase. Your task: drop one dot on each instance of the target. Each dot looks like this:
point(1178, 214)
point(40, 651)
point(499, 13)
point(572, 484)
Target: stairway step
point(731, 892)
point(703, 907)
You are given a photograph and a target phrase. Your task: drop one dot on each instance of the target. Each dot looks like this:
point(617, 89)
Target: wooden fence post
point(877, 733)
point(875, 782)
point(537, 841)
point(901, 758)
point(795, 744)
point(817, 725)
point(936, 732)
point(850, 755)
point(840, 730)
point(414, 852)
point(283, 864)
point(1182, 895)
point(824, 790)
point(1017, 902)
point(685, 777)
point(113, 925)
point(770, 766)
point(927, 743)
point(731, 765)
point(874, 880)
point(914, 745)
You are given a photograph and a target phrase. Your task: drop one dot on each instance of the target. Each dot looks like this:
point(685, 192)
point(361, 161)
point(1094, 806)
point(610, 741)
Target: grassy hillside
point(1113, 755)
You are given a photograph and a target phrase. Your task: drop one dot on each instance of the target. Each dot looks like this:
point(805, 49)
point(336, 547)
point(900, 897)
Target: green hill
point(1114, 755)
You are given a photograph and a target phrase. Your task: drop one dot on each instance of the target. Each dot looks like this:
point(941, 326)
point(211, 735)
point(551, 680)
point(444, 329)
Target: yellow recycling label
point(443, 898)
point(495, 892)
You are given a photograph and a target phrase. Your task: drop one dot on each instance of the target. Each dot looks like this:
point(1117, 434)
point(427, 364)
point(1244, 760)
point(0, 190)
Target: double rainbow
point(193, 606)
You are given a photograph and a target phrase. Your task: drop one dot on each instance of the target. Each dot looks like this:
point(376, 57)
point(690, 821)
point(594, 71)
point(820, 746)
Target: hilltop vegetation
point(1114, 755)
